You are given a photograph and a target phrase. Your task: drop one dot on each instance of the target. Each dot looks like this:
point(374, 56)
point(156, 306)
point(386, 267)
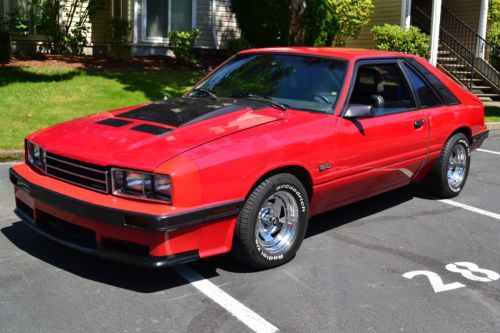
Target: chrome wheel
point(277, 222)
point(457, 164)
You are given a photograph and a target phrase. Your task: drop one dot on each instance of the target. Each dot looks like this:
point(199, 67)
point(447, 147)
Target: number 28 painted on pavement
point(468, 272)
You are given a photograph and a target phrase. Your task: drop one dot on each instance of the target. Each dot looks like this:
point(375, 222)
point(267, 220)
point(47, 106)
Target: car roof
point(335, 52)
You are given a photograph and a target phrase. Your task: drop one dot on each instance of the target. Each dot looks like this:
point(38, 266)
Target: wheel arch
point(466, 130)
point(302, 174)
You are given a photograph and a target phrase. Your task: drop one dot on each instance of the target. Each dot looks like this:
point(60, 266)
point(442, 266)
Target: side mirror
point(358, 111)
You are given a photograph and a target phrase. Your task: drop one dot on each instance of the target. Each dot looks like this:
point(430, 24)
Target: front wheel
point(272, 223)
point(449, 174)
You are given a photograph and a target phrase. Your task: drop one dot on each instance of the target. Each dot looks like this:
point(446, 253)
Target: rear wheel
point(449, 174)
point(272, 223)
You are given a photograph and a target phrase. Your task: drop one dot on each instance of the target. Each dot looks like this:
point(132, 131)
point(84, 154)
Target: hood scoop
point(186, 110)
point(114, 122)
point(152, 129)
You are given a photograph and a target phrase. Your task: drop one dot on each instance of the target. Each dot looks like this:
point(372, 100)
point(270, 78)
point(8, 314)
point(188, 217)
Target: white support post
point(405, 14)
point(435, 25)
point(483, 22)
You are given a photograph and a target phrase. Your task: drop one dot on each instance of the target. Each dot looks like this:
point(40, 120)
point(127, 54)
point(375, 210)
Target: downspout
point(214, 24)
point(405, 14)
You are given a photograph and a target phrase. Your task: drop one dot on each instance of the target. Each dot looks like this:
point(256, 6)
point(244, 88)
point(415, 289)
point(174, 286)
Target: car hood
point(143, 137)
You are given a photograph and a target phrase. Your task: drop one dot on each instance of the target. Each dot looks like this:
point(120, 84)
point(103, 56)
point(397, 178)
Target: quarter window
point(427, 97)
point(384, 87)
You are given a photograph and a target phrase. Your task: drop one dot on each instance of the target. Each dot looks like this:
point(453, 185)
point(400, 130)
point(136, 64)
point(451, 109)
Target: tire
point(455, 152)
point(255, 241)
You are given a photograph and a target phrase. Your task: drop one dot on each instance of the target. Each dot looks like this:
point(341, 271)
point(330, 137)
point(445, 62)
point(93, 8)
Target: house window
point(162, 16)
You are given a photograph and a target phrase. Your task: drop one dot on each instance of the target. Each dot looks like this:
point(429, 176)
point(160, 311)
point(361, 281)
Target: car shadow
point(90, 267)
point(145, 280)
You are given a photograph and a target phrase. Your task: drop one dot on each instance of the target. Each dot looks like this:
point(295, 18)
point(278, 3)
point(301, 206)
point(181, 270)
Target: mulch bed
point(203, 64)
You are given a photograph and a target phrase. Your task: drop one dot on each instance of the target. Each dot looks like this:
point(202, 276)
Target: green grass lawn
point(32, 98)
point(492, 112)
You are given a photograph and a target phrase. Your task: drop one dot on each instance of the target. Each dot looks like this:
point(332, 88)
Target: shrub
point(493, 35)
point(17, 23)
point(332, 22)
point(119, 35)
point(182, 43)
point(4, 42)
point(391, 37)
point(235, 45)
point(263, 22)
point(494, 39)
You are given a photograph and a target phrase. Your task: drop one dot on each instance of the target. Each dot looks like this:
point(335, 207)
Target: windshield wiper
point(207, 92)
point(260, 98)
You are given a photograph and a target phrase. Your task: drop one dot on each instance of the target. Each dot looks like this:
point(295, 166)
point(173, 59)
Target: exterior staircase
point(458, 54)
point(461, 72)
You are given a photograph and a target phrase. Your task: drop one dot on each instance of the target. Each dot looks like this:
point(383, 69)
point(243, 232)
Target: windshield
point(295, 81)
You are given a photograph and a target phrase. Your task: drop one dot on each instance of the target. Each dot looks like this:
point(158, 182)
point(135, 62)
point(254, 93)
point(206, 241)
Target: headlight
point(141, 184)
point(35, 155)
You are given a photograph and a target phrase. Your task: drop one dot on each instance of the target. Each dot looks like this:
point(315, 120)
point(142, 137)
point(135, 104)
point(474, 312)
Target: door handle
point(418, 123)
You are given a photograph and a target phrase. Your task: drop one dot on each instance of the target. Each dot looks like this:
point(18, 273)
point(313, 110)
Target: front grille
point(83, 174)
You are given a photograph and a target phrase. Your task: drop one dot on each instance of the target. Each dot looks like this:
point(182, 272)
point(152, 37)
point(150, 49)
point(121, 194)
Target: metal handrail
point(464, 32)
point(467, 60)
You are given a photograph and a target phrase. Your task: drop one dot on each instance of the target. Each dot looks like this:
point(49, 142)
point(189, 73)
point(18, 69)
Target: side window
point(384, 87)
point(427, 97)
point(448, 97)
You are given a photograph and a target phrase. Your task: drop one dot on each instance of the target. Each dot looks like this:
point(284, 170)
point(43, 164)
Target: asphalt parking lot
point(399, 262)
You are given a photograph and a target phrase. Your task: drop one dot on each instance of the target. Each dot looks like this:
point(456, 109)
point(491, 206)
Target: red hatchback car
point(241, 162)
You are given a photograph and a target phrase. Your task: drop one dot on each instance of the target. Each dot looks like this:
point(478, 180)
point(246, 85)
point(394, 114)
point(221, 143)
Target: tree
point(297, 27)
point(263, 22)
point(332, 22)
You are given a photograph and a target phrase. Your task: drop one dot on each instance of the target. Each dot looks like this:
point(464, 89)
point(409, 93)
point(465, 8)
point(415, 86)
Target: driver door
point(382, 152)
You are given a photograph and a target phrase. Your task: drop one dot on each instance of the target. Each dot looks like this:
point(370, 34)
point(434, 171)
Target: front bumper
point(98, 250)
point(160, 241)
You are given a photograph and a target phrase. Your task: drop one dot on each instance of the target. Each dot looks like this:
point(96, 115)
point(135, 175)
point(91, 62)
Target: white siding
point(227, 26)
point(384, 11)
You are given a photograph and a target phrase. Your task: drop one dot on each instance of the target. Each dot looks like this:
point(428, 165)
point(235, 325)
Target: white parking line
point(471, 208)
point(489, 151)
point(255, 322)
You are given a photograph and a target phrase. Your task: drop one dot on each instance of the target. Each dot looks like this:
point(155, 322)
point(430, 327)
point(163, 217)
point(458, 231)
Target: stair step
point(455, 65)
point(461, 72)
point(481, 87)
point(486, 95)
point(473, 80)
point(447, 59)
point(444, 52)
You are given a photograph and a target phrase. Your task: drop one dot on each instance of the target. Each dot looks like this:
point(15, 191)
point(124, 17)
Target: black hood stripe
point(187, 110)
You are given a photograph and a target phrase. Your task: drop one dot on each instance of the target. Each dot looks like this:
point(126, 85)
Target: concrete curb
point(11, 155)
point(493, 126)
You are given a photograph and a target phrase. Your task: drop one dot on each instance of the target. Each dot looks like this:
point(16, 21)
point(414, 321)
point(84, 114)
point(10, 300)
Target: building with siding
point(151, 22)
